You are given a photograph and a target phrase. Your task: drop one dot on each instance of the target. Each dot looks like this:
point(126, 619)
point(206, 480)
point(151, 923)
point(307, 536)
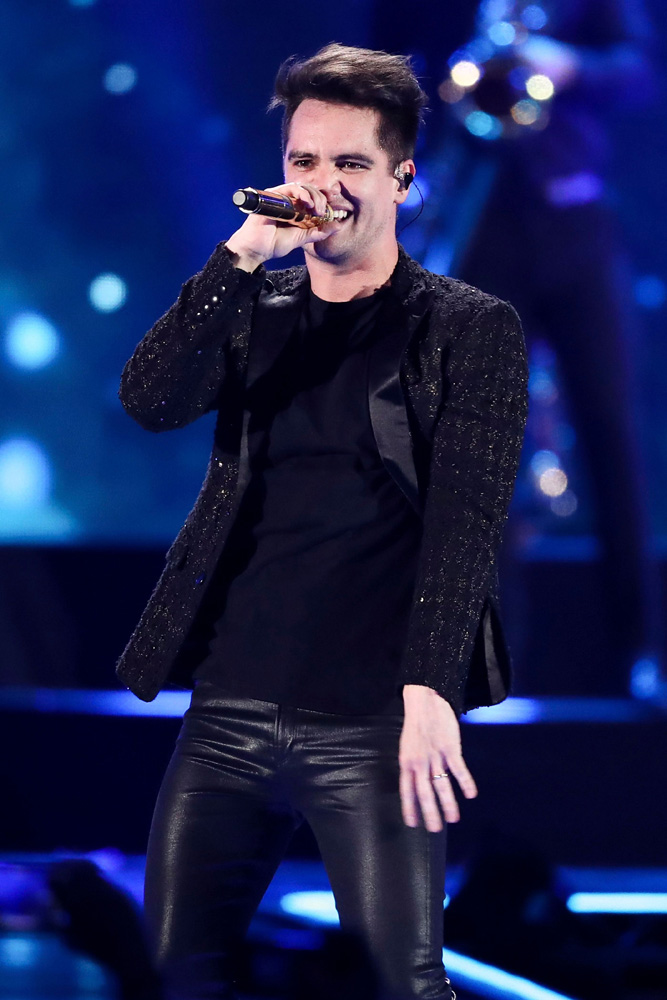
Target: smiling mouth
point(340, 214)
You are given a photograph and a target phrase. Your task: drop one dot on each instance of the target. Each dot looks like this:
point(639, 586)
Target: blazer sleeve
point(176, 371)
point(474, 460)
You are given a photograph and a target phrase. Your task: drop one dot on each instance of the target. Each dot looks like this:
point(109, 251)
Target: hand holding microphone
point(264, 236)
point(283, 207)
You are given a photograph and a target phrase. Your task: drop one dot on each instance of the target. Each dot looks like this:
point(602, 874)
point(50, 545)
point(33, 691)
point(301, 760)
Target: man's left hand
point(431, 745)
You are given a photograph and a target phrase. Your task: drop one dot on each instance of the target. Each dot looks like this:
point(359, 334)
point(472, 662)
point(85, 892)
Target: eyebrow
point(298, 154)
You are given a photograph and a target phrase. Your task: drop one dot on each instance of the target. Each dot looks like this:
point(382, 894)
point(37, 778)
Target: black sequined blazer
point(447, 396)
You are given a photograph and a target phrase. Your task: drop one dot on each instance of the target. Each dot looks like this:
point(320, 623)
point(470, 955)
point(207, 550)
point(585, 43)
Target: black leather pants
point(243, 776)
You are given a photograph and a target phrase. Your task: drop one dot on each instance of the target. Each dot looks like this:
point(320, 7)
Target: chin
point(330, 250)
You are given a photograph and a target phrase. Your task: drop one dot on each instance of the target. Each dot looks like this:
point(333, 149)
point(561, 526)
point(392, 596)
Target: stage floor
point(37, 965)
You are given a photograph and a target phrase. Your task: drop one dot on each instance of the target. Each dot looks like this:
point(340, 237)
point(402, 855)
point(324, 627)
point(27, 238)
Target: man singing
point(333, 592)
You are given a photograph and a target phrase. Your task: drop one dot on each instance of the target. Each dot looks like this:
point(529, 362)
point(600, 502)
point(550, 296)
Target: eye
point(304, 163)
point(352, 165)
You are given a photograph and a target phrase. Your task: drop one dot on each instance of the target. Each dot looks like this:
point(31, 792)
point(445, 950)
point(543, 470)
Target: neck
point(341, 281)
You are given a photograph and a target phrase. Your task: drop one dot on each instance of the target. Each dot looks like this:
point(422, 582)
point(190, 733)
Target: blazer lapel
point(274, 318)
point(386, 400)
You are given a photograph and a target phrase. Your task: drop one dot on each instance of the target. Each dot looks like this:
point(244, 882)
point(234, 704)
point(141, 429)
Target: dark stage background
point(125, 127)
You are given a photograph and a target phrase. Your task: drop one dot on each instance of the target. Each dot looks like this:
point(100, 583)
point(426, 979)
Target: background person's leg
point(216, 840)
point(388, 879)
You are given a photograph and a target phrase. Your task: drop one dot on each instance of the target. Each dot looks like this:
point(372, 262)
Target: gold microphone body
point(254, 201)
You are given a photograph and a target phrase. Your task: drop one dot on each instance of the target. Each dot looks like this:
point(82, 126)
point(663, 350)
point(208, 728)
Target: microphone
point(252, 201)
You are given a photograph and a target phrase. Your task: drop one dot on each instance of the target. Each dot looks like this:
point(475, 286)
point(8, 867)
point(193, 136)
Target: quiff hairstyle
point(363, 78)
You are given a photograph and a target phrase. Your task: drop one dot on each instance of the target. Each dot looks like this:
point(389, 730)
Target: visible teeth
point(340, 213)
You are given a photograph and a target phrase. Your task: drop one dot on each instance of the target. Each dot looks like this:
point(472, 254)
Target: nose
point(325, 177)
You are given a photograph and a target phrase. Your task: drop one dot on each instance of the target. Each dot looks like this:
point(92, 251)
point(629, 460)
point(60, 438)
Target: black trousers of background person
point(563, 269)
point(243, 775)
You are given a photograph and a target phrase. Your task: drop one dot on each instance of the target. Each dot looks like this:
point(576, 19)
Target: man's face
point(334, 147)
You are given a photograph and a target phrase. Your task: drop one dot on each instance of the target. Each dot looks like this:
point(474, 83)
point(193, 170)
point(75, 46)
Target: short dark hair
point(363, 78)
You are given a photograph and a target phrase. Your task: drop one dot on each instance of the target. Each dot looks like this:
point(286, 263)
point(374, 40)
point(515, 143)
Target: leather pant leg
point(387, 878)
point(243, 774)
point(219, 832)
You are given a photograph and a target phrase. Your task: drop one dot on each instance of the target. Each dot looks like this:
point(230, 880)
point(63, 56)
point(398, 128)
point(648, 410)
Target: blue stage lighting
point(645, 679)
point(120, 78)
point(82, 3)
point(650, 291)
point(216, 129)
point(414, 199)
point(534, 17)
point(542, 461)
point(25, 474)
point(107, 292)
point(482, 125)
point(542, 386)
point(18, 951)
point(502, 33)
point(565, 504)
point(173, 704)
point(489, 981)
point(31, 341)
point(618, 902)
point(315, 905)
point(512, 711)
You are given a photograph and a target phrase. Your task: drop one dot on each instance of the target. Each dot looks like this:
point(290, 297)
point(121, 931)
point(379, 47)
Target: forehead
point(318, 122)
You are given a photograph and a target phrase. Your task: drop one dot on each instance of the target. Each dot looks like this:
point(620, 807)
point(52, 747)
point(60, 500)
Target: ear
point(404, 174)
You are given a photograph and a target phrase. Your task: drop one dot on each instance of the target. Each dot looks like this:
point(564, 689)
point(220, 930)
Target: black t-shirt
point(312, 594)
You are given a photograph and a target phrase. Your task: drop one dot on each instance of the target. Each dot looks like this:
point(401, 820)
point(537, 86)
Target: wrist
point(416, 692)
point(244, 259)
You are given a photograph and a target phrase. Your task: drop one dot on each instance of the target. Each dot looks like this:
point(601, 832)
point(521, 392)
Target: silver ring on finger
point(445, 774)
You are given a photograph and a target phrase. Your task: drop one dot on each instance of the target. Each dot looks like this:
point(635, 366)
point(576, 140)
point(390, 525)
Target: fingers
point(318, 200)
point(445, 793)
point(457, 767)
point(419, 802)
point(409, 804)
point(428, 799)
point(428, 802)
point(430, 746)
point(422, 800)
point(309, 196)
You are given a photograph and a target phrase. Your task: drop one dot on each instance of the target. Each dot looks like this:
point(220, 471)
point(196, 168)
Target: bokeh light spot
point(120, 78)
point(542, 386)
point(553, 482)
point(540, 87)
point(495, 10)
point(449, 92)
point(107, 292)
point(17, 951)
point(525, 112)
point(483, 125)
point(31, 341)
point(534, 17)
point(645, 680)
point(502, 33)
point(543, 460)
point(25, 473)
point(564, 505)
point(465, 73)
